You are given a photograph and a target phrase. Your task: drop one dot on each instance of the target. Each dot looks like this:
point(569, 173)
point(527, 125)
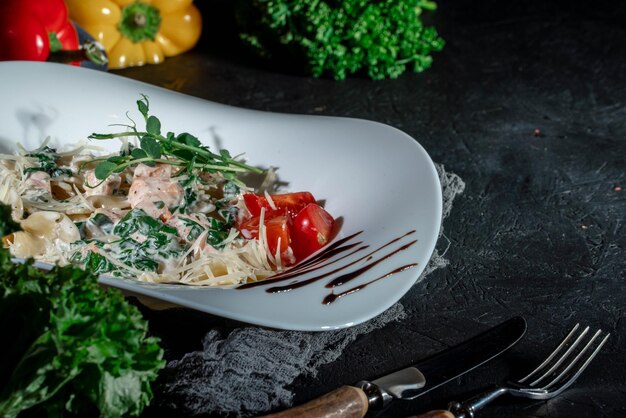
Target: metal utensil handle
point(468, 408)
point(434, 414)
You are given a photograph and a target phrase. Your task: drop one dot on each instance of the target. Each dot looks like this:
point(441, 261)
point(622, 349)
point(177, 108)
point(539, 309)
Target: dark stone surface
point(527, 103)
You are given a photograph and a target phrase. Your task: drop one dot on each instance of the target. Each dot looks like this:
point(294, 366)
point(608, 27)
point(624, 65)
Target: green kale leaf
point(76, 348)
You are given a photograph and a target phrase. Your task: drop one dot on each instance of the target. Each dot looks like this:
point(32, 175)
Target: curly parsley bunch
point(381, 38)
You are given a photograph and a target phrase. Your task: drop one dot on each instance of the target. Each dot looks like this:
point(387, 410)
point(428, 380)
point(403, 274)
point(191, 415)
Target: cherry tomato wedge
point(312, 229)
point(276, 228)
point(291, 202)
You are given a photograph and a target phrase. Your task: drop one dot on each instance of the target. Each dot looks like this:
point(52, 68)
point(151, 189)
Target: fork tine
point(558, 381)
point(573, 362)
point(552, 355)
point(562, 358)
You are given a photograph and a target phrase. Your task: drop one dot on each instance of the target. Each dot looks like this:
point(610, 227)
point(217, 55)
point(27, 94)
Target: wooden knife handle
point(345, 402)
point(435, 414)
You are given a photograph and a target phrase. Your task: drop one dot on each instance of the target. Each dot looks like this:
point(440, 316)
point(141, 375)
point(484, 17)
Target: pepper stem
point(139, 22)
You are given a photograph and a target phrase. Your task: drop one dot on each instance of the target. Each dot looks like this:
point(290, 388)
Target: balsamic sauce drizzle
point(331, 297)
point(302, 283)
point(310, 264)
point(326, 258)
point(345, 278)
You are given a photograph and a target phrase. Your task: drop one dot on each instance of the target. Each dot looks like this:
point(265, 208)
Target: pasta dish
point(165, 209)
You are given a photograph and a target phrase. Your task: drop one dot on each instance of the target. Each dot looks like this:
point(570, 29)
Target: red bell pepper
point(32, 29)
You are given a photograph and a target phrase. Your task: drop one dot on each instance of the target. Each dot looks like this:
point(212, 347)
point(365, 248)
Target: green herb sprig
point(184, 151)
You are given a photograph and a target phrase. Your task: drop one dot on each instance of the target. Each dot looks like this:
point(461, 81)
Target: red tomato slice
point(276, 228)
point(291, 202)
point(312, 229)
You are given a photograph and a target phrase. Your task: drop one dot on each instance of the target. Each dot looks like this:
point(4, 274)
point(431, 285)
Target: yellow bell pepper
point(139, 32)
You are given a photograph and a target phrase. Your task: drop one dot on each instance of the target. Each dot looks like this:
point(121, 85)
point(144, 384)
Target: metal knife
point(412, 382)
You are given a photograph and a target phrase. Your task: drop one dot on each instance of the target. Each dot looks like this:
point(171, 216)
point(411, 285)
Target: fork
point(554, 375)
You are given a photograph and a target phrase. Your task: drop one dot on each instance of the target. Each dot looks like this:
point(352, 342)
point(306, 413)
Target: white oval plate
point(376, 178)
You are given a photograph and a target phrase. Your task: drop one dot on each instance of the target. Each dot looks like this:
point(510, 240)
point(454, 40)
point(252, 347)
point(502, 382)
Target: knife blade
point(416, 380)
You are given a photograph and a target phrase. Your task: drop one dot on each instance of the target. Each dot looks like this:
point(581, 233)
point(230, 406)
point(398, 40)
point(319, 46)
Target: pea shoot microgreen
point(184, 151)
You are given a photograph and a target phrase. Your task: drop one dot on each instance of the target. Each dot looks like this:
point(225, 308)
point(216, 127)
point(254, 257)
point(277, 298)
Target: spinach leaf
point(144, 241)
point(137, 221)
point(47, 161)
point(195, 229)
point(93, 261)
point(217, 233)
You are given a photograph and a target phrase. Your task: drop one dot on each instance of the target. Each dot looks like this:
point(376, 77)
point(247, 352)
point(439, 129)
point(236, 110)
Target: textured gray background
point(539, 230)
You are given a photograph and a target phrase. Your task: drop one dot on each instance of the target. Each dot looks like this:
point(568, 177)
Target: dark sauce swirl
point(333, 254)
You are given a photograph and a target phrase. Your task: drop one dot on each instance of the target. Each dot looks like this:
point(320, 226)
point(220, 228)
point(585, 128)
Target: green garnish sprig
point(184, 151)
